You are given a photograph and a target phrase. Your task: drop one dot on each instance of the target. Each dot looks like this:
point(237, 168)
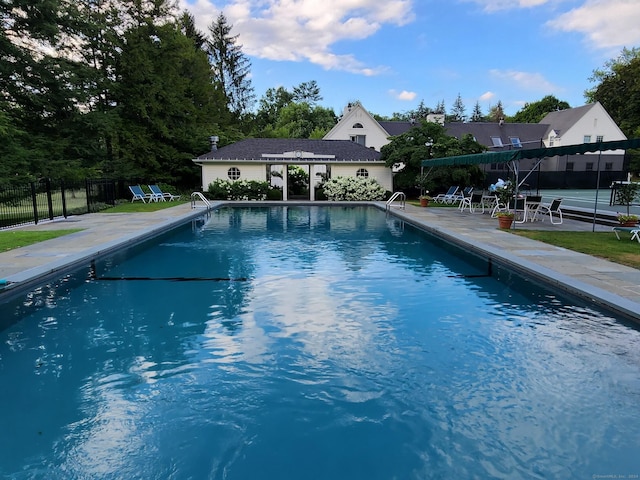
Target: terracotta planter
point(505, 222)
point(424, 202)
point(629, 223)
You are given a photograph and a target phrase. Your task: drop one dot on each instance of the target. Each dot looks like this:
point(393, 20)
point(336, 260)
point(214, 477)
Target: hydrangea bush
point(238, 190)
point(353, 189)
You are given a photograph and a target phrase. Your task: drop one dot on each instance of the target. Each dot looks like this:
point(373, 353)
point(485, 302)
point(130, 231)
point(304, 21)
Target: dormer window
point(357, 125)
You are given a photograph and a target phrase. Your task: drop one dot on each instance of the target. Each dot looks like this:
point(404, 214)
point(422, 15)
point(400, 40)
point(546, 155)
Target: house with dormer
point(589, 123)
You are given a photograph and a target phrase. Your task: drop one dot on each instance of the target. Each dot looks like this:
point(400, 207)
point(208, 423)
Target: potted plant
point(628, 220)
point(424, 200)
point(627, 194)
point(505, 219)
point(423, 183)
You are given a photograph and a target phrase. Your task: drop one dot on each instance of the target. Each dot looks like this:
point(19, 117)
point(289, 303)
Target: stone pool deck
point(613, 286)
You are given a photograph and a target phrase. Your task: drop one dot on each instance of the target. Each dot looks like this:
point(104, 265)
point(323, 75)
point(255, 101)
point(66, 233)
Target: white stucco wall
point(381, 173)
point(211, 172)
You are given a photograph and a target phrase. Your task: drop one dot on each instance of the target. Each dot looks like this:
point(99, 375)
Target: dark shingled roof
point(530, 134)
point(254, 148)
point(397, 128)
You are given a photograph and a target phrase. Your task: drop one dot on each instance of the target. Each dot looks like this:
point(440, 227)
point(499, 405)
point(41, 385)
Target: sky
point(391, 55)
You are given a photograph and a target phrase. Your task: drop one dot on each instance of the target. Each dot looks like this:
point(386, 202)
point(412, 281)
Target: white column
point(285, 182)
point(312, 182)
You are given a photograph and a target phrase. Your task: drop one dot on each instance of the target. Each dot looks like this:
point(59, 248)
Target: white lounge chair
point(139, 194)
point(552, 208)
point(160, 195)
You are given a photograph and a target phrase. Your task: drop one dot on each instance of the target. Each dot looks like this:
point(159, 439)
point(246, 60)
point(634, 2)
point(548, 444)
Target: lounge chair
point(552, 208)
point(139, 194)
point(160, 195)
point(634, 231)
point(446, 197)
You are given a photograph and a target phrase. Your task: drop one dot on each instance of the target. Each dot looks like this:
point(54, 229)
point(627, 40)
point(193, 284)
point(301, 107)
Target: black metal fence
point(47, 199)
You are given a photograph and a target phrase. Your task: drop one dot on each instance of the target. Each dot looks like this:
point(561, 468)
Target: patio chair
point(465, 199)
point(551, 209)
point(139, 194)
point(634, 231)
point(160, 195)
point(446, 197)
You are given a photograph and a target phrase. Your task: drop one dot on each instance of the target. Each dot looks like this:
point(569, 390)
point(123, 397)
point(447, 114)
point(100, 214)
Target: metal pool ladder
point(198, 196)
point(400, 196)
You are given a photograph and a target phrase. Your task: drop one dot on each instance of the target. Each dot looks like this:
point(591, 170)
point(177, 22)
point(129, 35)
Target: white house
point(265, 159)
point(589, 123)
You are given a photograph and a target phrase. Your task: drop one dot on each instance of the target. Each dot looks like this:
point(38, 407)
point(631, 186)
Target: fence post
point(34, 200)
point(63, 194)
point(87, 187)
point(47, 184)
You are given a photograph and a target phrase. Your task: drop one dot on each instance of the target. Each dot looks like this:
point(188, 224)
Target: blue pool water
point(311, 343)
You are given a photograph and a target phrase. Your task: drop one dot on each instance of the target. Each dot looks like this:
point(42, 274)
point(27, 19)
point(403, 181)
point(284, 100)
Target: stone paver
point(614, 286)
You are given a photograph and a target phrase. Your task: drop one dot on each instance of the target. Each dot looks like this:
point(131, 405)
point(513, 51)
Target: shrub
point(353, 189)
point(274, 194)
point(238, 190)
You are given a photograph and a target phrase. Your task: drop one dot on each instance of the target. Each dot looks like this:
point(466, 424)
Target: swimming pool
point(311, 343)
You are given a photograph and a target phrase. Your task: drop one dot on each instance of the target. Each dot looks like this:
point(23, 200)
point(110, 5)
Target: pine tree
point(476, 115)
point(458, 110)
point(231, 67)
point(307, 92)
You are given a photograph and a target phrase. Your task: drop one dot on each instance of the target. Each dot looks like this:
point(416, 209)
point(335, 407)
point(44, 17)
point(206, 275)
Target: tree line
point(132, 89)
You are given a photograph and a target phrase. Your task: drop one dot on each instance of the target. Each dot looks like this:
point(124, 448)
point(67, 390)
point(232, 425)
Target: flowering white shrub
point(238, 190)
point(353, 189)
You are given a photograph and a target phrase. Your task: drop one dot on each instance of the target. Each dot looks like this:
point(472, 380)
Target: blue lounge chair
point(447, 197)
point(159, 195)
point(139, 194)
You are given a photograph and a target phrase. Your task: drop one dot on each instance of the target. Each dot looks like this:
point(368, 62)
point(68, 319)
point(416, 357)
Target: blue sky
point(390, 55)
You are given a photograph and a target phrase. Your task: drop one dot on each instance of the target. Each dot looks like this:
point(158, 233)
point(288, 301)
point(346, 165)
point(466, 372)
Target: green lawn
point(597, 244)
point(10, 239)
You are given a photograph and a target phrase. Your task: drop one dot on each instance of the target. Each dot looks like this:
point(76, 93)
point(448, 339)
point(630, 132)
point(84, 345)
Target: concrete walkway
point(613, 286)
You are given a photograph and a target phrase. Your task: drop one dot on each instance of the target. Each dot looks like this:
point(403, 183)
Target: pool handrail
point(400, 196)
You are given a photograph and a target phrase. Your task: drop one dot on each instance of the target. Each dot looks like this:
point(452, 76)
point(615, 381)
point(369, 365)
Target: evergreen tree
point(231, 67)
point(307, 92)
point(458, 110)
point(476, 115)
point(166, 103)
point(188, 24)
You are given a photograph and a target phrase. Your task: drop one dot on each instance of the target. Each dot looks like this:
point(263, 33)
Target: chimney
point(213, 140)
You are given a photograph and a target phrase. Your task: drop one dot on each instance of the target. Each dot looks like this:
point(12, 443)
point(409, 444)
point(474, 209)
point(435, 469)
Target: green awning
point(512, 155)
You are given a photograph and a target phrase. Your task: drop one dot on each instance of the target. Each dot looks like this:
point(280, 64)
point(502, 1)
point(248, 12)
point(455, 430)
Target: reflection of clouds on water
point(313, 319)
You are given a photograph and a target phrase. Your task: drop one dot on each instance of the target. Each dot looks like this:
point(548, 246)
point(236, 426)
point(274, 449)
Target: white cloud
point(403, 95)
point(495, 5)
point(305, 30)
point(526, 80)
point(487, 96)
point(608, 24)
